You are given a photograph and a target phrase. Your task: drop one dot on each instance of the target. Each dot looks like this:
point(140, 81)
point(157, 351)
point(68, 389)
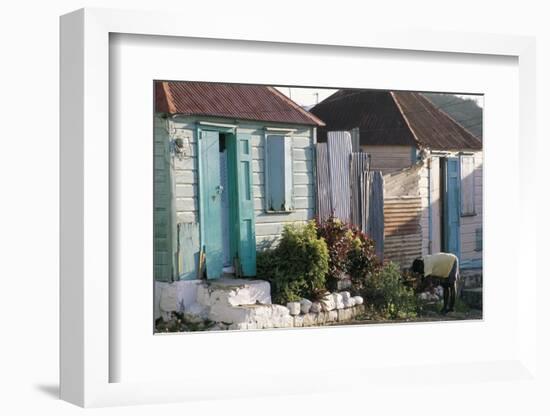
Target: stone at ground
point(309, 319)
point(294, 308)
point(298, 321)
point(332, 316)
point(305, 305)
point(328, 302)
point(349, 303)
point(246, 304)
point(316, 307)
point(195, 312)
point(192, 318)
point(345, 314)
point(338, 301)
point(358, 300)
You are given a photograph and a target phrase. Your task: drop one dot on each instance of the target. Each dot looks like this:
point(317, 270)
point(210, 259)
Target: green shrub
point(387, 293)
point(351, 253)
point(298, 266)
point(362, 260)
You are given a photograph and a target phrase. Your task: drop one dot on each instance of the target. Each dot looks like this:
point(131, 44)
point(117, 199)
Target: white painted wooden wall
point(468, 224)
point(268, 226)
point(389, 158)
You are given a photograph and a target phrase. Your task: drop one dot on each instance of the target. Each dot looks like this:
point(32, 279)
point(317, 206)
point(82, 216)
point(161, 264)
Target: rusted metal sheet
point(392, 118)
point(402, 215)
point(402, 229)
point(234, 101)
point(372, 112)
point(432, 127)
point(403, 249)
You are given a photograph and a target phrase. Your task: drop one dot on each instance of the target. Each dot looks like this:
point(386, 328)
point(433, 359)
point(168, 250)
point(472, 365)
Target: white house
point(233, 164)
point(433, 191)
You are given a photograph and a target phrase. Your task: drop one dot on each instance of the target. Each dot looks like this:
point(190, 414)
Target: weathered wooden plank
point(189, 250)
point(186, 177)
point(186, 190)
point(298, 215)
point(186, 163)
point(186, 204)
point(303, 154)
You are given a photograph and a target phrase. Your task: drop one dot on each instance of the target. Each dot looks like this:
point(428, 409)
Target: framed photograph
point(275, 205)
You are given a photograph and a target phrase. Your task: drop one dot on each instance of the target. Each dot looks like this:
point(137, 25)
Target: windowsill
point(280, 212)
point(473, 214)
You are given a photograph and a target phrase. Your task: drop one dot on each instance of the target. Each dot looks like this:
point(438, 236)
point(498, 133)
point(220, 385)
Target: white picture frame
point(86, 292)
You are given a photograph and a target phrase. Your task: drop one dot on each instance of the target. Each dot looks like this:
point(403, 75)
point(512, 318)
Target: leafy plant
point(297, 266)
point(362, 260)
point(387, 292)
point(333, 231)
point(351, 253)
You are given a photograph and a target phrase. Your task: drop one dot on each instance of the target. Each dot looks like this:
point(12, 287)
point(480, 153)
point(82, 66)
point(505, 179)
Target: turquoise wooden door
point(211, 190)
point(246, 245)
point(452, 207)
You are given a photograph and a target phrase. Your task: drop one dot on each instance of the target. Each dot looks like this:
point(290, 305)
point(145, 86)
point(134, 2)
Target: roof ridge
point(456, 123)
point(426, 102)
point(169, 98)
point(314, 118)
point(407, 122)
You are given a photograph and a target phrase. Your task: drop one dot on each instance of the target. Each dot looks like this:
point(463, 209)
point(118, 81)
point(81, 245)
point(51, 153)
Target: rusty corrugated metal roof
point(373, 112)
point(234, 101)
point(392, 118)
point(432, 127)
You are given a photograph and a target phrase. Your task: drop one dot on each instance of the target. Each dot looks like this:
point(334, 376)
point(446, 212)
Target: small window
point(467, 171)
point(278, 183)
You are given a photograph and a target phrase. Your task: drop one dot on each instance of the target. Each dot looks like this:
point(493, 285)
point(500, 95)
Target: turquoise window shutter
point(279, 173)
point(246, 223)
point(452, 207)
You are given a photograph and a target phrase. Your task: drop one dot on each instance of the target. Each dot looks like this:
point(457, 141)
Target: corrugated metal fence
point(403, 239)
point(339, 154)
point(348, 189)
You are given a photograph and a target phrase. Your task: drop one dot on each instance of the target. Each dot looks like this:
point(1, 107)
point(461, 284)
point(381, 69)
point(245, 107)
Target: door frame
point(231, 131)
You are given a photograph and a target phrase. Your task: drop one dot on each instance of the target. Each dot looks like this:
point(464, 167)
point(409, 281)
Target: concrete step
point(234, 292)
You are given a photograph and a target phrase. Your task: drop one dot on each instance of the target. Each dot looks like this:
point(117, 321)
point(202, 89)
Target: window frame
point(286, 133)
point(473, 212)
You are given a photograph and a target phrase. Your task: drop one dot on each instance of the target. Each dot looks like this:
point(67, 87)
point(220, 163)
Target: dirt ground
point(429, 314)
